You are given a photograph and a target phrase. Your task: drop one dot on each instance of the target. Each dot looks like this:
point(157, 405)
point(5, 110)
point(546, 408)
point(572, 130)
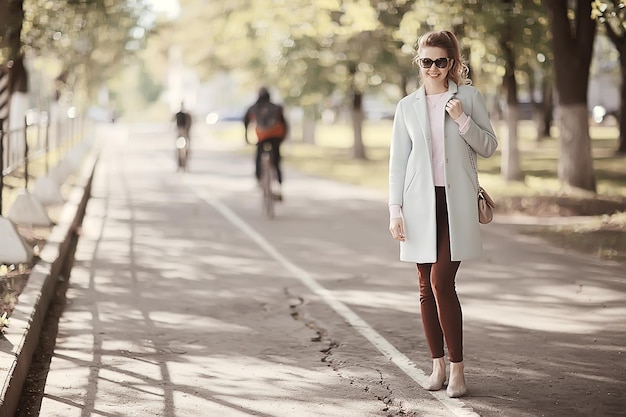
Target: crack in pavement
point(378, 387)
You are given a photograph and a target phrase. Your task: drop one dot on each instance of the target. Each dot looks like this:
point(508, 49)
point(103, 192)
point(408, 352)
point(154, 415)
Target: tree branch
point(613, 36)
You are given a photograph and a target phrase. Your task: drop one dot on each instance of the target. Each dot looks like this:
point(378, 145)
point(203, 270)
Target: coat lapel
point(452, 88)
point(420, 106)
point(422, 112)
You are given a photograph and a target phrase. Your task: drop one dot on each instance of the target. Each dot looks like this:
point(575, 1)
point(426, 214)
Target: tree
point(11, 20)
point(573, 32)
point(89, 38)
point(512, 32)
point(521, 34)
point(395, 56)
point(285, 46)
point(612, 14)
point(501, 40)
point(309, 51)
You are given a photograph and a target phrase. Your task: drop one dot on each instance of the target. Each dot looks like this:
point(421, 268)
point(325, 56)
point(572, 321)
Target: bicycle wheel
point(181, 159)
point(266, 185)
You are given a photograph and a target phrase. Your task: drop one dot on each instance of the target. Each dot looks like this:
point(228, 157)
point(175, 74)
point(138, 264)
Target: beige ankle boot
point(438, 376)
point(456, 385)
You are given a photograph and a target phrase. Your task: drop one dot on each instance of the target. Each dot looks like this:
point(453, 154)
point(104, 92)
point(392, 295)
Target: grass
point(603, 236)
point(540, 194)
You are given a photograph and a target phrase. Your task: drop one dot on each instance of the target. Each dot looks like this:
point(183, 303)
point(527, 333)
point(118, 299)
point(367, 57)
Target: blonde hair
point(447, 41)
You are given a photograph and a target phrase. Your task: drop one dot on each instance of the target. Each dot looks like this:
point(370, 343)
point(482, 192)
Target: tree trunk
point(4, 23)
point(542, 114)
point(621, 148)
point(511, 170)
point(619, 40)
point(573, 47)
point(539, 121)
point(535, 105)
point(358, 151)
point(308, 125)
point(548, 108)
point(18, 77)
point(510, 155)
point(574, 128)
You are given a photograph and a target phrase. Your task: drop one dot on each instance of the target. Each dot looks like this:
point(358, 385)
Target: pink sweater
point(436, 114)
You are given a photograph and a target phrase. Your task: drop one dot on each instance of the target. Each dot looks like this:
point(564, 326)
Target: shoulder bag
point(485, 202)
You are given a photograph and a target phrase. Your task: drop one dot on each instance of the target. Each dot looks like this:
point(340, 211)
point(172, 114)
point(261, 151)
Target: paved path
point(185, 301)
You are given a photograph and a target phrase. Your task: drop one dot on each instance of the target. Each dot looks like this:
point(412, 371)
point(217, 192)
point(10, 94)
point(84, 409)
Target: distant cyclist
point(270, 127)
point(183, 122)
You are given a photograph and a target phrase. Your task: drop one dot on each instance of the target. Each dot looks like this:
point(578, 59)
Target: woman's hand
point(454, 108)
point(396, 227)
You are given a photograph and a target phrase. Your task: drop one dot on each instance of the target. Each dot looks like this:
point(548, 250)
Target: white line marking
point(455, 405)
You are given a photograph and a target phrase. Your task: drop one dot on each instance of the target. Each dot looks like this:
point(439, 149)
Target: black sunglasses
point(439, 62)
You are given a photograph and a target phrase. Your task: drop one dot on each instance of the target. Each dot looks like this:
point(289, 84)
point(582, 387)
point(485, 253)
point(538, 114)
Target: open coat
point(411, 183)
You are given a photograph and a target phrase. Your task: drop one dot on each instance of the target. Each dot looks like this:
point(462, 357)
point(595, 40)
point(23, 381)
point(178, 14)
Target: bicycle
point(182, 150)
point(268, 181)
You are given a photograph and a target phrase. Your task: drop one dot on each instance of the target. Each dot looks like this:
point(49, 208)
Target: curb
point(20, 340)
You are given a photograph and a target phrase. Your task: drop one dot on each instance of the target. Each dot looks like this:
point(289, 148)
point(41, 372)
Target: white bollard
point(27, 210)
point(13, 248)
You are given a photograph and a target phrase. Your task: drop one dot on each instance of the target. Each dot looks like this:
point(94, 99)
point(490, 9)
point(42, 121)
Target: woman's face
point(435, 57)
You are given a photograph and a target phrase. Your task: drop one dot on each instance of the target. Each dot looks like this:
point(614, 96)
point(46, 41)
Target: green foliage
point(89, 39)
point(483, 26)
point(612, 12)
point(311, 50)
point(149, 89)
point(307, 50)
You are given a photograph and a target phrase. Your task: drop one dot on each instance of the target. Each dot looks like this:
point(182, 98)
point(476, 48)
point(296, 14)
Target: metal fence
point(39, 137)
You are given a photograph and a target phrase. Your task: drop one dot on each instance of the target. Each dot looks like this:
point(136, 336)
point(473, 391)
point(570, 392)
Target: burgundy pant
point(440, 307)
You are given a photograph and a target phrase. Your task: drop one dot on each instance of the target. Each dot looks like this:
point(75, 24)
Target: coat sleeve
point(480, 134)
point(398, 157)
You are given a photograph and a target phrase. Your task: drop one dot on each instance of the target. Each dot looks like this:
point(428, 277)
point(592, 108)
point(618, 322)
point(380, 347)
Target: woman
point(433, 192)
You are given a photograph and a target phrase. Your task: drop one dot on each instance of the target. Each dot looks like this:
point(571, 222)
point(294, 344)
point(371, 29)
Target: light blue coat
point(411, 183)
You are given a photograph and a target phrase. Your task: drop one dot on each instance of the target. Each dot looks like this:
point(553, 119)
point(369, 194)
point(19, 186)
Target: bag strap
point(474, 163)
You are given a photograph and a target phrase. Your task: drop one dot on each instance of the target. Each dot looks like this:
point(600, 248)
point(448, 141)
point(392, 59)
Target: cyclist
point(271, 127)
point(183, 122)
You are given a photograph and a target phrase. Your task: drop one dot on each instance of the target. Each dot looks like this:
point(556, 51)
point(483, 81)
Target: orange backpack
point(269, 122)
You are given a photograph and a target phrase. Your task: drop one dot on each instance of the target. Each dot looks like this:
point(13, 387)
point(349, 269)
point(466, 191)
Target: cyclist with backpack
point(271, 127)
